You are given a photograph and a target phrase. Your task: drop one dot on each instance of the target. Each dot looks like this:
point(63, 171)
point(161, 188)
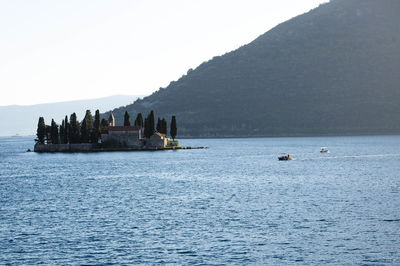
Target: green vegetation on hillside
point(332, 70)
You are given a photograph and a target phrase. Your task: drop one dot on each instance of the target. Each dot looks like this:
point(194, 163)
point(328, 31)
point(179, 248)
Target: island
point(95, 135)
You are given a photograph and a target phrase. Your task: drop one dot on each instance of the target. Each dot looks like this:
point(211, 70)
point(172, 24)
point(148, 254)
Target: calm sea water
point(234, 203)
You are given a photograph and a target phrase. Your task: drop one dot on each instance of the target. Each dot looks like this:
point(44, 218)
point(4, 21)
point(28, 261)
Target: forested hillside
point(333, 70)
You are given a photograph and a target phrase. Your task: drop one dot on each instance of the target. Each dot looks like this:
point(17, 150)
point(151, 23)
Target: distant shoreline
point(290, 136)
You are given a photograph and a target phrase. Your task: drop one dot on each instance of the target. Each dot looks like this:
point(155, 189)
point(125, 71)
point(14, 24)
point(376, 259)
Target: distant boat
point(324, 150)
point(285, 157)
point(16, 136)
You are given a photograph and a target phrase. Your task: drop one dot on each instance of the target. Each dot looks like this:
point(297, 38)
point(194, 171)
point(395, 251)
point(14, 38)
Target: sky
point(64, 50)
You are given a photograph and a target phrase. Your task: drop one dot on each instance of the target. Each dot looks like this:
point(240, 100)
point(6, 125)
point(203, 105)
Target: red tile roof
point(124, 128)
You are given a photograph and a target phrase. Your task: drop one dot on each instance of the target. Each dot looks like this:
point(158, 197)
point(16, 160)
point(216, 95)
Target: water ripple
point(234, 203)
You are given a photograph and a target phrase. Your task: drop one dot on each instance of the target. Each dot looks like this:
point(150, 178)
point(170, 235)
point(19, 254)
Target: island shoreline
point(89, 148)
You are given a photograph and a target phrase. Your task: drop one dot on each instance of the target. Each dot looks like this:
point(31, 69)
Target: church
point(130, 137)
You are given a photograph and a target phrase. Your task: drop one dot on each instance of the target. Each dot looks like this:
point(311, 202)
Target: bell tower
point(111, 120)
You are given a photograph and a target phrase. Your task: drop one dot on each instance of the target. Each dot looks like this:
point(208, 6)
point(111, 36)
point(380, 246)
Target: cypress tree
point(75, 132)
point(151, 123)
point(126, 119)
point(62, 132)
point(139, 120)
point(54, 132)
point(146, 128)
point(84, 137)
point(66, 131)
point(71, 128)
point(48, 134)
point(41, 131)
point(87, 127)
point(96, 128)
point(164, 127)
point(159, 129)
point(174, 129)
point(104, 125)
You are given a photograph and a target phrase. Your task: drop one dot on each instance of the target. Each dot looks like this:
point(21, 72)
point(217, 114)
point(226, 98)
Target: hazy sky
point(76, 49)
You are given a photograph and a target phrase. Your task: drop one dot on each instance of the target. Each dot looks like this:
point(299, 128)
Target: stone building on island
point(130, 137)
point(157, 140)
point(122, 136)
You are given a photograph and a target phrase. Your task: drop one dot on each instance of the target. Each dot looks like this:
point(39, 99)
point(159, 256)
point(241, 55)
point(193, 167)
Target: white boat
point(324, 150)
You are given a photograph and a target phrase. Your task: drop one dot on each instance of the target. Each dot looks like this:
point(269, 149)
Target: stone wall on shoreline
point(87, 147)
point(81, 147)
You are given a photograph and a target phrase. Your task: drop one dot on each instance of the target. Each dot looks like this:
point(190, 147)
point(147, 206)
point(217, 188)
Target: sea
point(231, 204)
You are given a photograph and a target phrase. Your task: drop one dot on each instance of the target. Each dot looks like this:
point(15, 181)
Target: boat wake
point(349, 156)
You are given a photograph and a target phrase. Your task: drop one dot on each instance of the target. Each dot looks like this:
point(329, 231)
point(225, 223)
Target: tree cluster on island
point(89, 130)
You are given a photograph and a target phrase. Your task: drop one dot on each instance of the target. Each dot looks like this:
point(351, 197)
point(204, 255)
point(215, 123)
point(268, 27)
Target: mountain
point(23, 119)
point(333, 70)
